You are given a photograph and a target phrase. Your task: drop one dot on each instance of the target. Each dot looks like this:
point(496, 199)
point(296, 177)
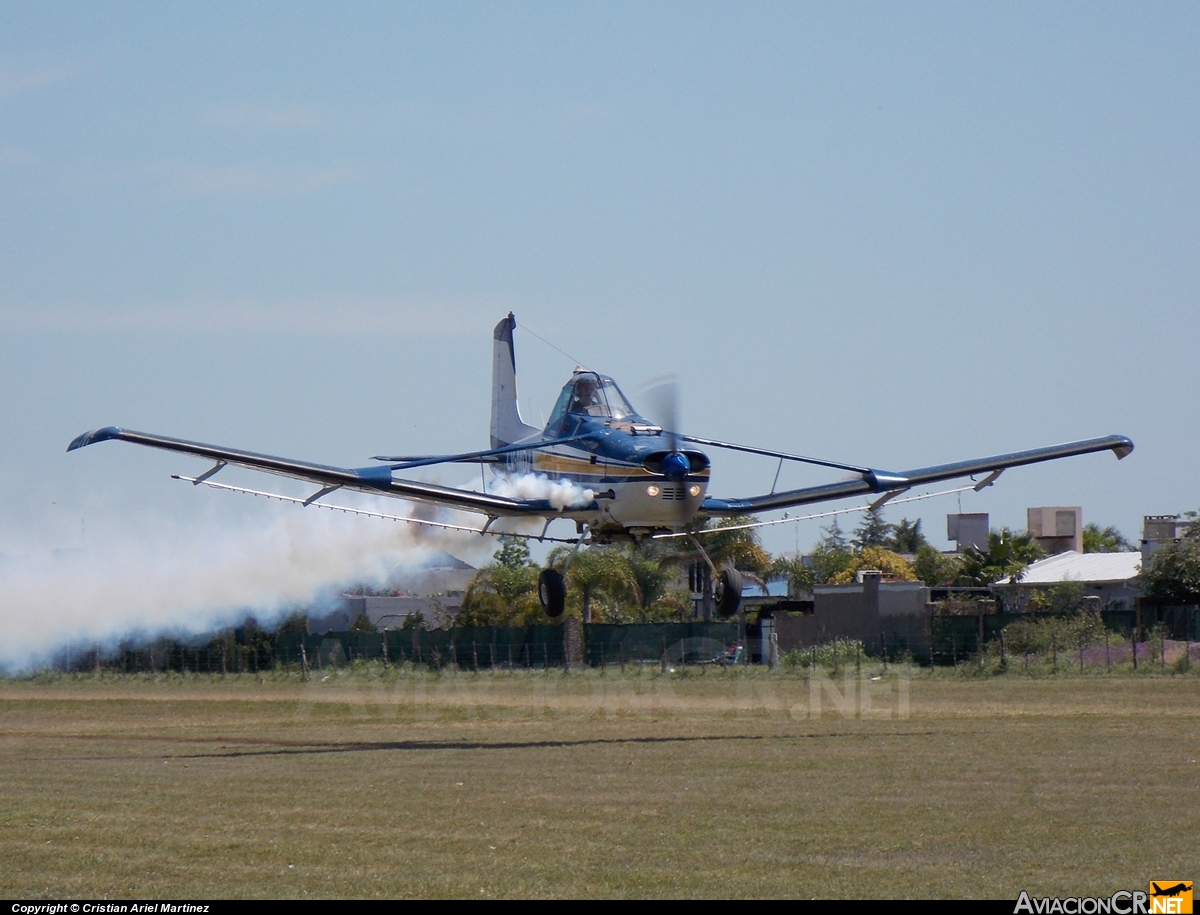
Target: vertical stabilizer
point(507, 426)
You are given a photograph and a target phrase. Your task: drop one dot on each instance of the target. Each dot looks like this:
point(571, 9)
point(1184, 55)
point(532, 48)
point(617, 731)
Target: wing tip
point(103, 434)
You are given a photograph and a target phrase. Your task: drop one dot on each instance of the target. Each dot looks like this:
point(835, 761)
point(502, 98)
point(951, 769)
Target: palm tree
point(505, 592)
point(1008, 554)
point(599, 573)
point(725, 544)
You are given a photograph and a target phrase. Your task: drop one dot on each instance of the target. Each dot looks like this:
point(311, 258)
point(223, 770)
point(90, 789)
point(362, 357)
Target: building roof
point(1093, 568)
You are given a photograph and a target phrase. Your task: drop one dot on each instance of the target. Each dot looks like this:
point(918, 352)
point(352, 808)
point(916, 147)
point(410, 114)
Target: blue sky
point(892, 234)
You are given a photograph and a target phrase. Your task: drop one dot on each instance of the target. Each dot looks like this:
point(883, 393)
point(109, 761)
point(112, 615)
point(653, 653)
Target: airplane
point(597, 462)
point(1170, 890)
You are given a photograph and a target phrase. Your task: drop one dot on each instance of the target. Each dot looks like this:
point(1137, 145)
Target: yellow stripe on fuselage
point(557, 463)
point(580, 467)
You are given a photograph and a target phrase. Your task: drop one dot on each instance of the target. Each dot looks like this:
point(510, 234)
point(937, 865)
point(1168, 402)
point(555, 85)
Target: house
point(434, 588)
point(891, 617)
point(1112, 577)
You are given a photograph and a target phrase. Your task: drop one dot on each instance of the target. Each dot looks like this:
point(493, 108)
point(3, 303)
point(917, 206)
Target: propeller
point(662, 399)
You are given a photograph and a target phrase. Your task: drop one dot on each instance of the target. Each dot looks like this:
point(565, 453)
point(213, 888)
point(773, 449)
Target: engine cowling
point(676, 465)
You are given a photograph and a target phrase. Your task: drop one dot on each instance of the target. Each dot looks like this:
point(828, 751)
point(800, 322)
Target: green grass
point(376, 783)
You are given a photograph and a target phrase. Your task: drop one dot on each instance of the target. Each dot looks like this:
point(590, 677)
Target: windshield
point(592, 395)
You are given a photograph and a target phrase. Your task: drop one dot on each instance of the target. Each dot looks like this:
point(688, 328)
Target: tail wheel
point(552, 593)
point(728, 591)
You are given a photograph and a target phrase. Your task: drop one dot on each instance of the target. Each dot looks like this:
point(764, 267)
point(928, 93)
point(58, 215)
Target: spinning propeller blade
point(662, 397)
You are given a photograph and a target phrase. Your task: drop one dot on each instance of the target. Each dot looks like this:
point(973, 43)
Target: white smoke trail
point(174, 581)
point(561, 494)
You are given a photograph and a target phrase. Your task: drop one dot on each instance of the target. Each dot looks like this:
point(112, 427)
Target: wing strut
point(210, 472)
point(988, 480)
point(887, 497)
point(323, 491)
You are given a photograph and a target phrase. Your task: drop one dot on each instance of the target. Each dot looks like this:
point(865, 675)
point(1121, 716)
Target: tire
point(728, 592)
point(552, 593)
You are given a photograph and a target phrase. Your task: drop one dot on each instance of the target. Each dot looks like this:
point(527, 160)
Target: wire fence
point(1168, 637)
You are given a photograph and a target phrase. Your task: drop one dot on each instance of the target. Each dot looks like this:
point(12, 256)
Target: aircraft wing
point(882, 482)
point(377, 480)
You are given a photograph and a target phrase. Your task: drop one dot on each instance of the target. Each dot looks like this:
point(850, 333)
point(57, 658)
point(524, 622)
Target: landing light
point(652, 491)
point(694, 489)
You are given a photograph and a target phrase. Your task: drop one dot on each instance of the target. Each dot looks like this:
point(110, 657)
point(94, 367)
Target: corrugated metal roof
point(1086, 567)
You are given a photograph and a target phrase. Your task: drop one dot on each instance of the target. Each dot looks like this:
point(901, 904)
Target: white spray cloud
point(561, 494)
point(141, 582)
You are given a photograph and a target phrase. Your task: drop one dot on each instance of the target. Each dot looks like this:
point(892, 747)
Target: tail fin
point(507, 426)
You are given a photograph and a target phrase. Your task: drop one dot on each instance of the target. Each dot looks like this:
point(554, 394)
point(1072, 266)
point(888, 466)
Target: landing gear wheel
point(552, 593)
point(728, 591)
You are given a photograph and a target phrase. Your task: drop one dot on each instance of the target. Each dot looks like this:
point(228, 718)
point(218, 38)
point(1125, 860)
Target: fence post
point(1189, 617)
point(1133, 640)
point(1054, 651)
point(1003, 652)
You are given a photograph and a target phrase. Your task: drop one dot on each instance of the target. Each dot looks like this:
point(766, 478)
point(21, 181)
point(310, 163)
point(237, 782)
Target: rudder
point(507, 425)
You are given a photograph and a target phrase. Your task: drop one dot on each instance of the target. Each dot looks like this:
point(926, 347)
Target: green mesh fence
point(679, 643)
point(955, 638)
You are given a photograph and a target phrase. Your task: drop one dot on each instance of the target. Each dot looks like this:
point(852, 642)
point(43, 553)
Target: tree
point(1007, 556)
point(830, 561)
point(907, 537)
point(832, 537)
point(1174, 573)
point(832, 553)
point(656, 566)
point(295, 622)
point(601, 574)
point(1061, 599)
point(505, 592)
point(730, 542)
point(875, 557)
point(934, 567)
point(800, 577)
point(513, 553)
point(1109, 540)
point(873, 531)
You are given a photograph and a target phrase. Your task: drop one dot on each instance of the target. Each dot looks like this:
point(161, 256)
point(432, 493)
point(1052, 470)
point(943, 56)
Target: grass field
point(737, 783)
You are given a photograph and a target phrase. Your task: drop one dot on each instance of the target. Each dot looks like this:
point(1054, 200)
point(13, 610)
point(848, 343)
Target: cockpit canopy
point(594, 396)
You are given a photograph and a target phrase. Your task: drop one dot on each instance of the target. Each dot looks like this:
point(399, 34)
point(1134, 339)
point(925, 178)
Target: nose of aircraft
point(675, 466)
